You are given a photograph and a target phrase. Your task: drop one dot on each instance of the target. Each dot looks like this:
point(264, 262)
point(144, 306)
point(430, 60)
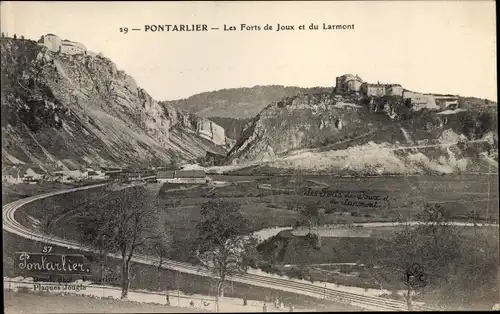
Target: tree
point(398, 263)
point(435, 219)
point(15, 37)
point(311, 214)
point(22, 37)
point(124, 222)
point(161, 247)
point(173, 163)
point(435, 255)
point(222, 245)
point(473, 217)
point(3, 34)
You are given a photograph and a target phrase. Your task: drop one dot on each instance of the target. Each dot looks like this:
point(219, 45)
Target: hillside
point(80, 107)
point(325, 132)
point(233, 127)
point(239, 103)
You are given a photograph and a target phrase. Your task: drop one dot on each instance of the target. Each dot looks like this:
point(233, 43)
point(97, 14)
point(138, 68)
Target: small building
point(12, 175)
point(190, 174)
point(444, 102)
point(165, 176)
point(348, 84)
point(95, 174)
point(51, 41)
point(33, 173)
point(394, 90)
point(72, 47)
point(419, 100)
point(116, 175)
point(373, 90)
point(70, 169)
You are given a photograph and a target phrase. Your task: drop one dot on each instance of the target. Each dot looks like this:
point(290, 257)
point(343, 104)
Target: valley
point(338, 184)
point(270, 201)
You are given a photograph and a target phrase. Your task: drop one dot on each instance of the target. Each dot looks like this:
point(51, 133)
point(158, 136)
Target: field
point(147, 277)
point(28, 302)
point(273, 205)
point(341, 260)
point(271, 202)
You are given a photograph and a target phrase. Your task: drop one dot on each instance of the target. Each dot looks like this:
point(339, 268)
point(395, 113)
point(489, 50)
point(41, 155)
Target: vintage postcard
point(249, 156)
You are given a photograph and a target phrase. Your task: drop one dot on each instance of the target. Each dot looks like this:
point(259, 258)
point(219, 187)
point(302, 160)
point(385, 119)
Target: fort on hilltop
point(55, 44)
point(349, 84)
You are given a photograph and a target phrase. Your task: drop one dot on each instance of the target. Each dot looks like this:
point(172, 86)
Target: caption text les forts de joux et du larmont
point(277, 27)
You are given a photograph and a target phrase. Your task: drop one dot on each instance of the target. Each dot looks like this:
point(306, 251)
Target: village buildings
point(62, 171)
point(12, 175)
point(27, 173)
point(353, 84)
point(349, 84)
point(55, 44)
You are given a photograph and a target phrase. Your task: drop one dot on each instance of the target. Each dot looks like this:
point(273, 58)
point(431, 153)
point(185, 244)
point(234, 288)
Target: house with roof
point(94, 173)
point(12, 175)
point(33, 173)
point(373, 90)
point(55, 44)
point(165, 176)
point(51, 41)
point(72, 47)
point(446, 101)
point(419, 100)
point(394, 90)
point(69, 170)
point(348, 84)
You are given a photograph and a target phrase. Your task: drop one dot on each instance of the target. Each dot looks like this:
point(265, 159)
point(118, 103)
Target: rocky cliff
point(81, 107)
point(326, 132)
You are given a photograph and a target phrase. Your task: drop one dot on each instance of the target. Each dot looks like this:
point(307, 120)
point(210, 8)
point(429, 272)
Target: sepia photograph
point(249, 156)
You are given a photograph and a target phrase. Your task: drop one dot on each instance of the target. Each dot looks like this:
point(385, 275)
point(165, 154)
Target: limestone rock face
point(325, 132)
point(81, 107)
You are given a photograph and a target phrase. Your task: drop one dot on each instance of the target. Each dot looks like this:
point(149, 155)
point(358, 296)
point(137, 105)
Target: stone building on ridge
point(348, 84)
point(55, 44)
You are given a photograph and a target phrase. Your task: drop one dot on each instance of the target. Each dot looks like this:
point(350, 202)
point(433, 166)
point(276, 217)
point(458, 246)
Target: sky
point(427, 46)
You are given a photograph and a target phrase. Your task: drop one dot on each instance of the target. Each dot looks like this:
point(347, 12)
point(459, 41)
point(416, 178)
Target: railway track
point(366, 302)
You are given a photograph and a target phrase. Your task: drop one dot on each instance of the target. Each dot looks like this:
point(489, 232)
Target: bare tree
point(161, 246)
point(398, 263)
point(222, 246)
point(311, 213)
point(425, 255)
point(435, 219)
point(124, 222)
point(473, 216)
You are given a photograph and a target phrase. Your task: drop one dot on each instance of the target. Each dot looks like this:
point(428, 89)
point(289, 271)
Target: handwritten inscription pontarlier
point(52, 263)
